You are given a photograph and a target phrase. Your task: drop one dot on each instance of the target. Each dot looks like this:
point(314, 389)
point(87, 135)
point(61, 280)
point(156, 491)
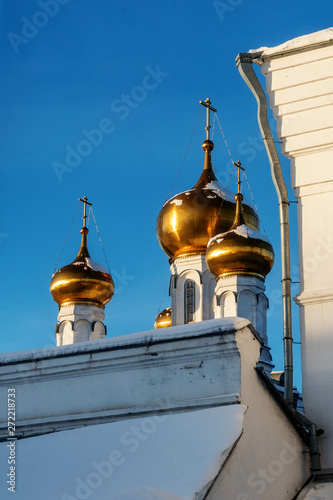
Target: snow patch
point(92, 264)
point(325, 35)
point(142, 338)
point(176, 202)
point(244, 231)
point(177, 456)
point(319, 491)
point(217, 188)
point(221, 190)
point(96, 267)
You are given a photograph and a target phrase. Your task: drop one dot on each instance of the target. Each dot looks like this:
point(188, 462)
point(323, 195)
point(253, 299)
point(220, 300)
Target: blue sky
point(73, 66)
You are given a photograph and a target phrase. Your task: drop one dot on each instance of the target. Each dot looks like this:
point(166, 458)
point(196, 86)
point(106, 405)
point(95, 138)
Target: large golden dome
point(241, 250)
point(82, 281)
point(190, 219)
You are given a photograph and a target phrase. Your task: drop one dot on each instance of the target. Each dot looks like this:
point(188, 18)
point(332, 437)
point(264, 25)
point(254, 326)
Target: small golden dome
point(82, 281)
point(241, 250)
point(190, 219)
point(163, 319)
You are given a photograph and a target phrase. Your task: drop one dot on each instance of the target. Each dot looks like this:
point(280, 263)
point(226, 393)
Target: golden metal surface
point(77, 282)
point(237, 254)
point(163, 319)
point(190, 219)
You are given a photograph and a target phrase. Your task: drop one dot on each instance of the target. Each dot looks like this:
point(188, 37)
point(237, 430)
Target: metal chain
point(181, 166)
point(69, 230)
point(213, 126)
point(203, 116)
point(159, 307)
point(225, 141)
point(88, 218)
point(254, 203)
point(244, 175)
point(100, 239)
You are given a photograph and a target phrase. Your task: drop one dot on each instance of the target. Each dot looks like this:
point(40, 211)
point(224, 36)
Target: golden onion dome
point(82, 281)
point(190, 219)
point(241, 250)
point(163, 319)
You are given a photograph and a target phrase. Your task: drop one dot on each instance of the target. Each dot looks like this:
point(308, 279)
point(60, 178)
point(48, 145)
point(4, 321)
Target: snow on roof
point(221, 190)
point(96, 267)
point(176, 201)
point(317, 491)
point(214, 186)
point(92, 264)
point(300, 42)
point(133, 339)
point(161, 457)
point(242, 230)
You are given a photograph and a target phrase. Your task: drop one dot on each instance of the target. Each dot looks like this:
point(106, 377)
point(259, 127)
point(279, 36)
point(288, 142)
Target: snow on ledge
point(222, 325)
point(317, 491)
point(161, 457)
point(319, 37)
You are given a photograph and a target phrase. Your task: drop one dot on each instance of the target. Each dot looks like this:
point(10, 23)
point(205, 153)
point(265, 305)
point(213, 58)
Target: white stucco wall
point(299, 82)
point(191, 267)
point(175, 371)
point(270, 461)
point(192, 365)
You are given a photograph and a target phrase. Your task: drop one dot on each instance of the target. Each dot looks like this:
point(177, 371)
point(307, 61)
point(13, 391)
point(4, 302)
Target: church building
point(190, 410)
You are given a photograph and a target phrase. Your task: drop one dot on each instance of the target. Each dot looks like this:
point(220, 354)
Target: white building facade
point(299, 82)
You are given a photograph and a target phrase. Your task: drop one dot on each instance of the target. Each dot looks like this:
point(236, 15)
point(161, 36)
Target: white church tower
point(184, 226)
point(81, 289)
point(240, 259)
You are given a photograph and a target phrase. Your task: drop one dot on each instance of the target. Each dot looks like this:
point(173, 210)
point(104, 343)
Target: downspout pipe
point(244, 64)
point(313, 443)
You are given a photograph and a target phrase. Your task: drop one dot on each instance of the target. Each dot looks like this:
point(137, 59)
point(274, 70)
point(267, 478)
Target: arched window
point(189, 301)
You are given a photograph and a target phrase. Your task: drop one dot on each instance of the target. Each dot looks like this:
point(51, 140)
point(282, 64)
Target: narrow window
point(189, 299)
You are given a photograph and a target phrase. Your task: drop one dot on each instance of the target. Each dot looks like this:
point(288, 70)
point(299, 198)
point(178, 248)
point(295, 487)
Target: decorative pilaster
point(80, 323)
point(191, 290)
point(244, 297)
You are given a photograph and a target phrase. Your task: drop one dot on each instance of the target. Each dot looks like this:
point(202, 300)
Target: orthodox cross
point(85, 203)
point(209, 108)
point(239, 168)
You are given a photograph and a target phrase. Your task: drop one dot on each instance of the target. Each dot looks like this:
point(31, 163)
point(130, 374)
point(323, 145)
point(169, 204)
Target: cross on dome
point(85, 203)
point(209, 108)
point(239, 168)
